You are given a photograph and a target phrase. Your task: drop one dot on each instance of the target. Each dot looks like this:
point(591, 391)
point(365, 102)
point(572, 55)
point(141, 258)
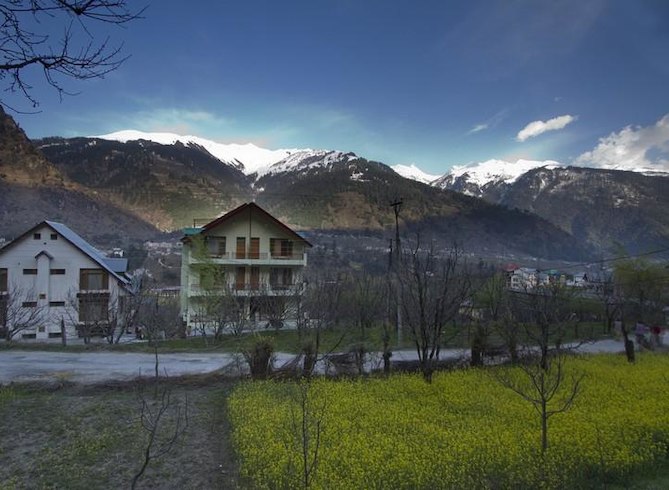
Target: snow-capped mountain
point(305, 160)
point(414, 173)
point(252, 159)
point(476, 179)
point(248, 158)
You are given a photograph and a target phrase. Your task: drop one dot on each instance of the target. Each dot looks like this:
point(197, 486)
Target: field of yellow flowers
point(465, 430)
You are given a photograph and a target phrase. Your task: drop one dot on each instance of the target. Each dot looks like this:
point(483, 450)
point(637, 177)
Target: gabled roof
point(252, 207)
point(117, 264)
point(111, 265)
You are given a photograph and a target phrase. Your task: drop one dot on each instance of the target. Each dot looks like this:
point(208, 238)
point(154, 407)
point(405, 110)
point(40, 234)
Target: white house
point(246, 255)
point(50, 276)
point(524, 278)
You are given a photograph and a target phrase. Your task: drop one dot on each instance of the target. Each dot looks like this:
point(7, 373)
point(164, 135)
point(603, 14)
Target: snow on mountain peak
point(414, 173)
point(482, 173)
point(251, 157)
point(306, 160)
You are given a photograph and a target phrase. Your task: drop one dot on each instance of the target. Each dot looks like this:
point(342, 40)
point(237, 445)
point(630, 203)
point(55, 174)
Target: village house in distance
point(242, 269)
point(52, 279)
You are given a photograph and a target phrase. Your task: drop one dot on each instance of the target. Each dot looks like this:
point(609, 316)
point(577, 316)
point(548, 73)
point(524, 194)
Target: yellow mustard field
point(465, 430)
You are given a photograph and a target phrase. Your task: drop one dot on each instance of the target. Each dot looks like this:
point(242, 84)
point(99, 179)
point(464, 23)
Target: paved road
point(96, 367)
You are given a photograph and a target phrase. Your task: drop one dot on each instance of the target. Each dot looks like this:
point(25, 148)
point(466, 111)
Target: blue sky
point(435, 83)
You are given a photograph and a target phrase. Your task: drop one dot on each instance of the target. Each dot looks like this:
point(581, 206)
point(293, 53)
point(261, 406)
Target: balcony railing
point(247, 286)
point(256, 256)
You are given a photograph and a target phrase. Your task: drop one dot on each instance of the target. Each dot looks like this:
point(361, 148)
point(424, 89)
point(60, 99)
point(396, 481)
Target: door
point(241, 248)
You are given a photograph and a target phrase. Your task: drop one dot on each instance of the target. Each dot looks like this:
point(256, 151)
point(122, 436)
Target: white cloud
point(633, 148)
point(477, 128)
point(535, 128)
point(490, 123)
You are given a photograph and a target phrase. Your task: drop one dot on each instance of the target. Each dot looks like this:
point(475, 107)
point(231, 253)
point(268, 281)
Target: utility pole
point(397, 207)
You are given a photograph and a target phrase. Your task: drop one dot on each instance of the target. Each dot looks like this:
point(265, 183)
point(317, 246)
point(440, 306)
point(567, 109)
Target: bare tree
point(321, 303)
point(19, 312)
point(545, 384)
point(164, 420)
point(307, 424)
point(277, 310)
point(644, 286)
point(160, 319)
point(221, 310)
point(56, 37)
point(498, 311)
point(640, 289)
point(107, 315)
point(431, 292)
point(547, 313)
point(366, 296)
point(605, 291)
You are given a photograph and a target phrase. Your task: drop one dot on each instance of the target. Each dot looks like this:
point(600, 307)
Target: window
point(54, 236)
point(286, 248)
point(281, 277)
point(216, 246)
point(56, 303)
point(254, 250)
point(57, 272)
point(281, 248)
point(221, 246)
point(3, 280)
point(37, 236)
point(29, 272)
point(93, 307)
point(93, 279)
point(3, 310)
point(29, 304)
point(241, 248)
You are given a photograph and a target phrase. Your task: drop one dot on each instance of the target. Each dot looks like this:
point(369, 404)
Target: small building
point(524, 278)
point(240, 270)
point(52, 278)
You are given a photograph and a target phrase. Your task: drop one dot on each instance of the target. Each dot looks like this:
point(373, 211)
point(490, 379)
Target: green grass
point(338, 338)
point(81, 437)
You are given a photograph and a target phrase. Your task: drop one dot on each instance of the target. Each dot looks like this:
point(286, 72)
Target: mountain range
point(132, 186)
point(608, 208)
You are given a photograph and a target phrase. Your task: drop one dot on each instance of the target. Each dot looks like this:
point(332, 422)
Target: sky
point(430, 83)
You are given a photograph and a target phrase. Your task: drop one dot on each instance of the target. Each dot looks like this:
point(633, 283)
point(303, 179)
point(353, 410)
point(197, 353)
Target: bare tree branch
point(27, 40)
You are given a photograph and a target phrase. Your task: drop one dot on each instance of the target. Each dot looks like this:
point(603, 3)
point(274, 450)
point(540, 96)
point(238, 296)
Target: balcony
point(249, 289)
point(261, 258)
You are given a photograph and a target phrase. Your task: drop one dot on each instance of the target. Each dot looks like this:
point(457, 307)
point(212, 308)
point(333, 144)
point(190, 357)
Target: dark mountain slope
point(32, 189)
point(167, 185)
point(604, 207)
point(354, 193)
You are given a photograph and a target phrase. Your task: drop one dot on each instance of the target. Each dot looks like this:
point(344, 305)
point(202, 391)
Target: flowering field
point(465, 430)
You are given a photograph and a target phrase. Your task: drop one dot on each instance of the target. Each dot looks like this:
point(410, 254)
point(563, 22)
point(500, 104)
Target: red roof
point(251, 206)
